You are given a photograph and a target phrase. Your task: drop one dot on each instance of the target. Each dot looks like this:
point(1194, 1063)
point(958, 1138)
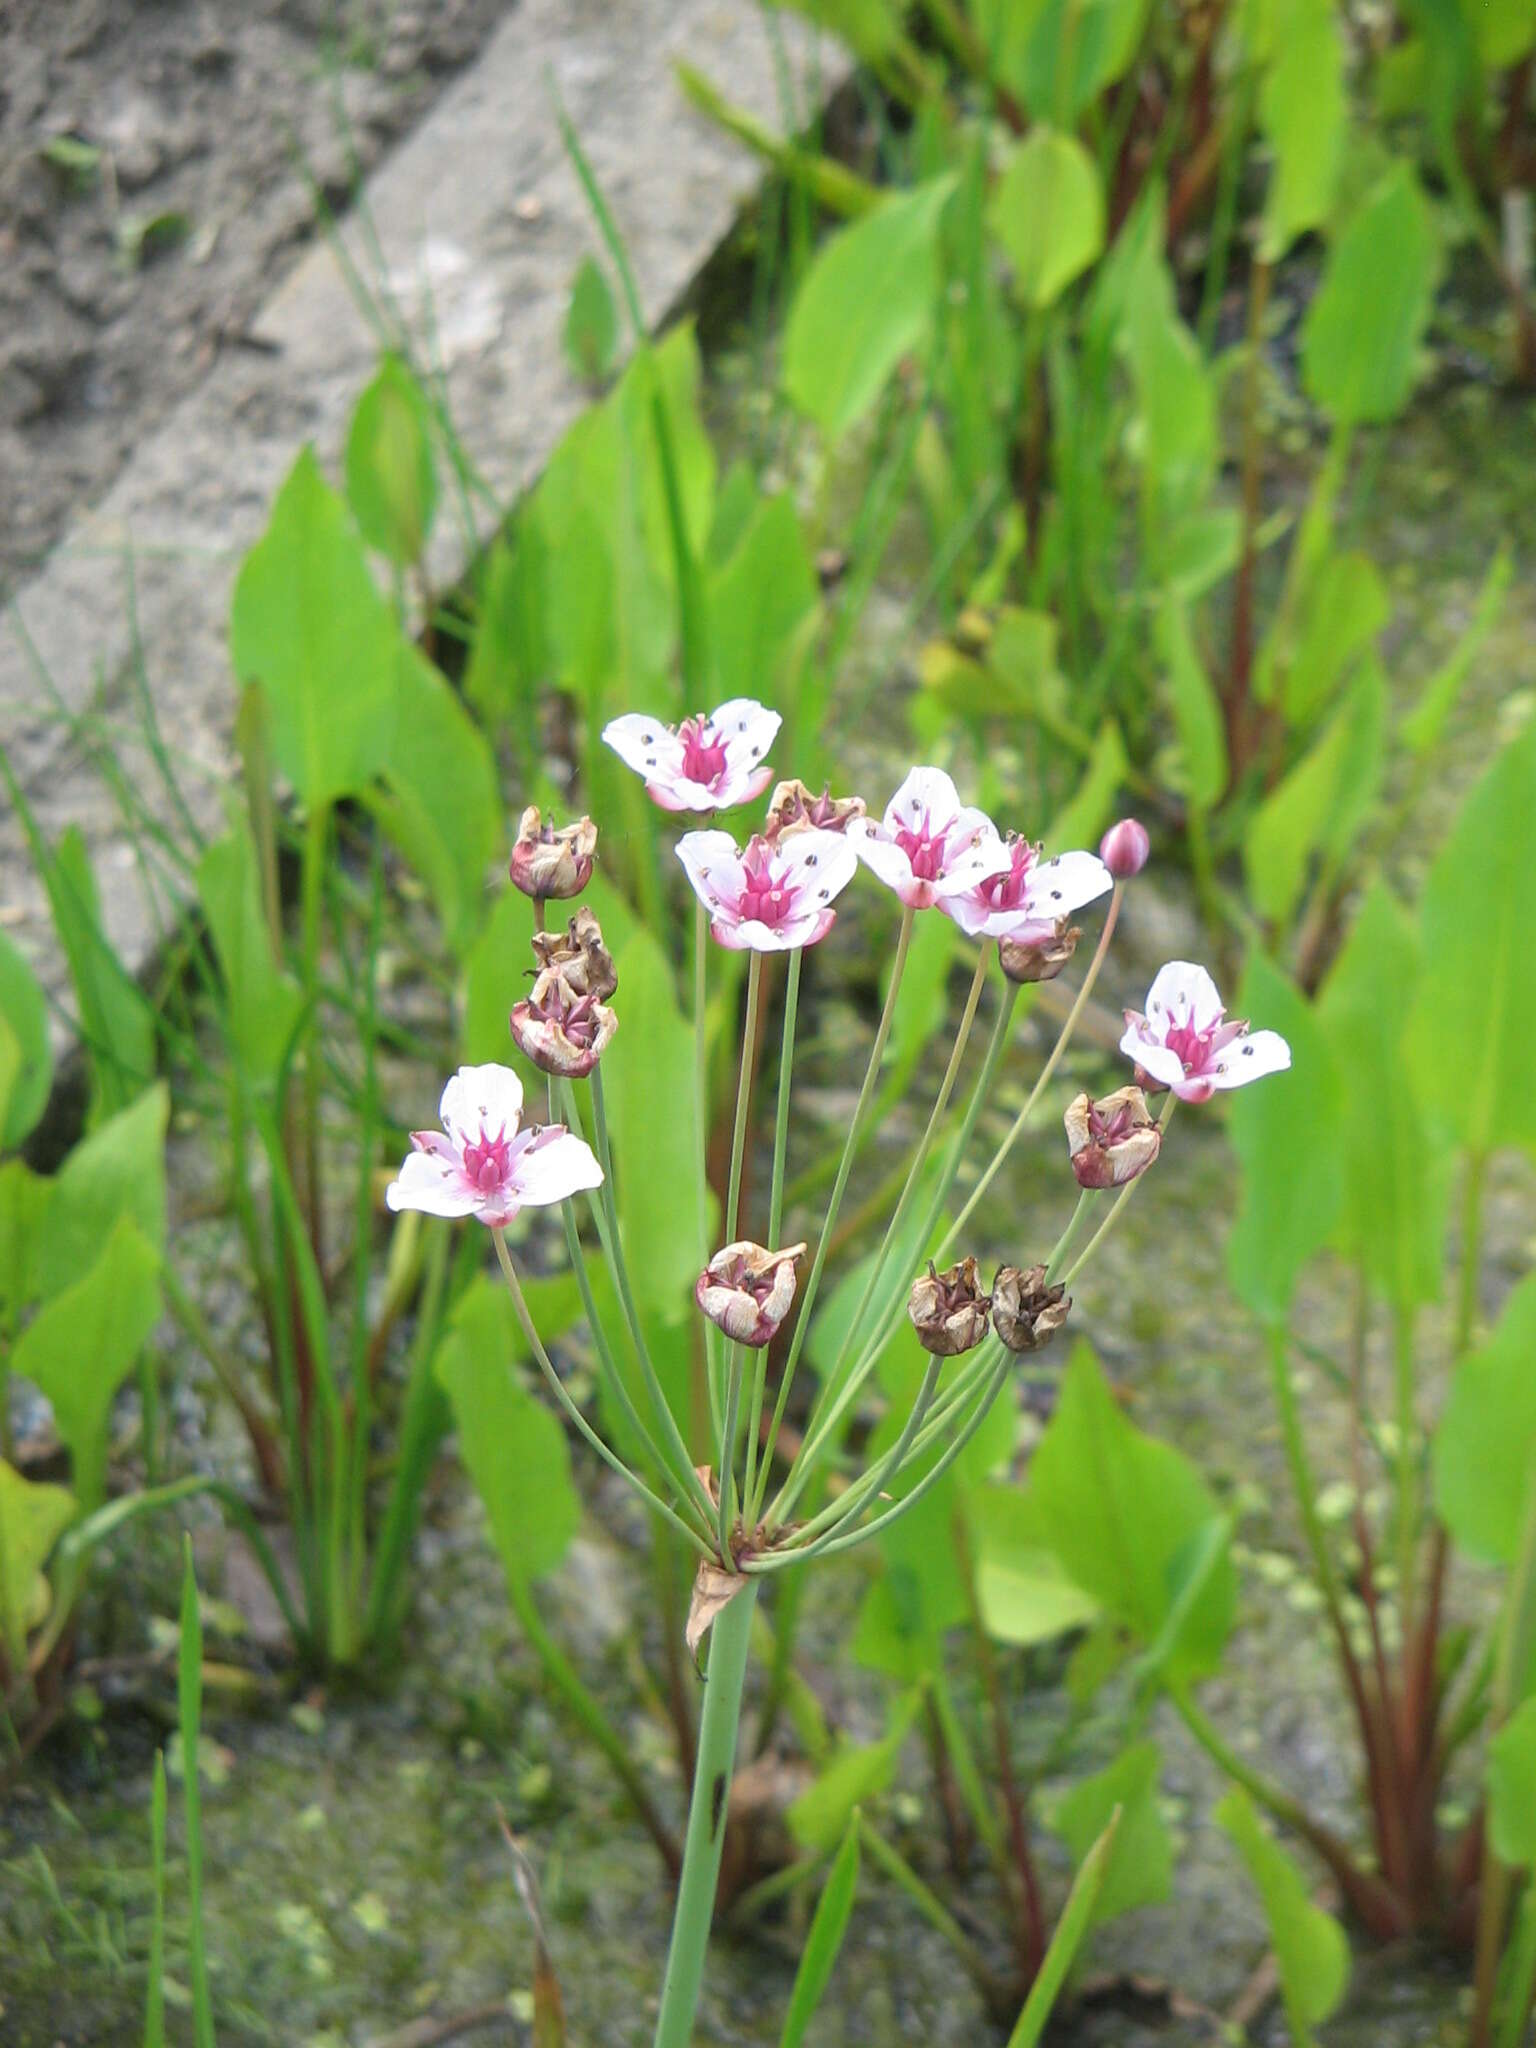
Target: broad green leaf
point(648, 1078)
point(33, 1517)
point(1120, 1511)
point(508, 656)
point(1393, 1217)
point(1047, 211)
point(1303, 112)
point(825, 1937)
point(1196, 712)
point(1470, 1034)
point(1505, 30)
point(857, 1773)
point(116, 1020)
point(391, 476)
point(1360, 346)
point(1485, 1446)
point(1285, 1130)
point(311, 628)
point(81, 1345)
point(1024, 1592)
point(1140, 1869)
point(763, 604)
point(10, 1067)
point(870, 28)
point(1071, 1931)
point(1316, 812)
point(261, 1002)
point(1082, 819)
point(118, 1170)
point(440, 801)
point(1347, 608)
point(867, 300)
point(1059, 55)
point(1311, 1951)
point(26, 1198)
point(24, 1013)
point(919, 1594)
point(591, 332)
point(513, 1447)
point(1425, 723)
point(1512, 1788)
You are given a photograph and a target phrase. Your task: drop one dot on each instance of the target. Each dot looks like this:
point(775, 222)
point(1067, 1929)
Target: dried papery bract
point(948, 1310)
point(1039, 959)
point(578, 953)
point(747, 1290)
point(793, 808)
point(562, 1031)
point(1112, 1140)
point(1027, 1311)
point(550, 861)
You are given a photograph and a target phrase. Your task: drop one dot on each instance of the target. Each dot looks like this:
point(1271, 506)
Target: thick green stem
point(707, 1811)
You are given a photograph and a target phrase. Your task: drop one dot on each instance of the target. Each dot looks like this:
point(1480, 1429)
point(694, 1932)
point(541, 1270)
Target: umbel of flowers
point(779, 893)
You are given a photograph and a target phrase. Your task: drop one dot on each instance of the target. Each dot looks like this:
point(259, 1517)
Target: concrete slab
point(480, 207)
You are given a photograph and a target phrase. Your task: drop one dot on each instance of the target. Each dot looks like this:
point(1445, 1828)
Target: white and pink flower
point(710, 762)
point(481, 1164)
point(768, 898)
point(1027, 900)
point(929, 846)
point(1186, 1042)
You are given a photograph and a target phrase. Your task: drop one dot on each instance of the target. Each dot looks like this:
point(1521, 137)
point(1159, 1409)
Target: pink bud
point(1124, 849)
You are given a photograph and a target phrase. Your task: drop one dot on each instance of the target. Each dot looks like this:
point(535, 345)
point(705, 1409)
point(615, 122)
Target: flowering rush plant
point(747, 1512)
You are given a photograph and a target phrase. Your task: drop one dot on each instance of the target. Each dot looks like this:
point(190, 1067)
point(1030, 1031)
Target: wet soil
point(161, 162)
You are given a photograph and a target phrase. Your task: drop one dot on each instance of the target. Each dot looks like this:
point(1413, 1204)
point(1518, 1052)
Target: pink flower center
point(1197, 1049)
point(1006, 891)
point(488, 1161)
point(924, 849)
point(703, 752)
point(766, 897)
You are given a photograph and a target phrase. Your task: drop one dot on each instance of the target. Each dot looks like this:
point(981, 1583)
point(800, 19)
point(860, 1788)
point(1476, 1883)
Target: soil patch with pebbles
point(160, 164)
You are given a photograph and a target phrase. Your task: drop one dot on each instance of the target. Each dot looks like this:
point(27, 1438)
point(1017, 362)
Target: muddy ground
point(161, 163)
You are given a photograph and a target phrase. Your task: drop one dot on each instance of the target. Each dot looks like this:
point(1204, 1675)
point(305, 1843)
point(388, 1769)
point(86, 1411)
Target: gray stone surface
point(481, 205)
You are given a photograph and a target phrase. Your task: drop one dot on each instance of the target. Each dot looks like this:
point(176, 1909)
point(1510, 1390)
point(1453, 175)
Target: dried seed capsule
point(948, 1310)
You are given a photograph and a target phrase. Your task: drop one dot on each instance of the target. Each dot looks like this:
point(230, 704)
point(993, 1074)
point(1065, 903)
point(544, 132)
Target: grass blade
point(1076, 1918)
point(829, 1924)
point(190, 1699)
point(154, 2003)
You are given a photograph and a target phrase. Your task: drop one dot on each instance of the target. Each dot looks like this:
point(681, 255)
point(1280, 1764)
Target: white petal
point(821, 864)
point(681, 793)
point(1065, 883)
point(428, 1183)
point(970, 910)
point(1182, 993)
point(881, 857)
point(747, 729)
point(713, 866)
point(739, 784)
point(1154, 1059)
point(973, 828)
point(477, 1099)
point(750, 935)
point(1248, 1059)
point(926, 791)
point(556, 1166)
point(971, 864)
point(644, 744)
